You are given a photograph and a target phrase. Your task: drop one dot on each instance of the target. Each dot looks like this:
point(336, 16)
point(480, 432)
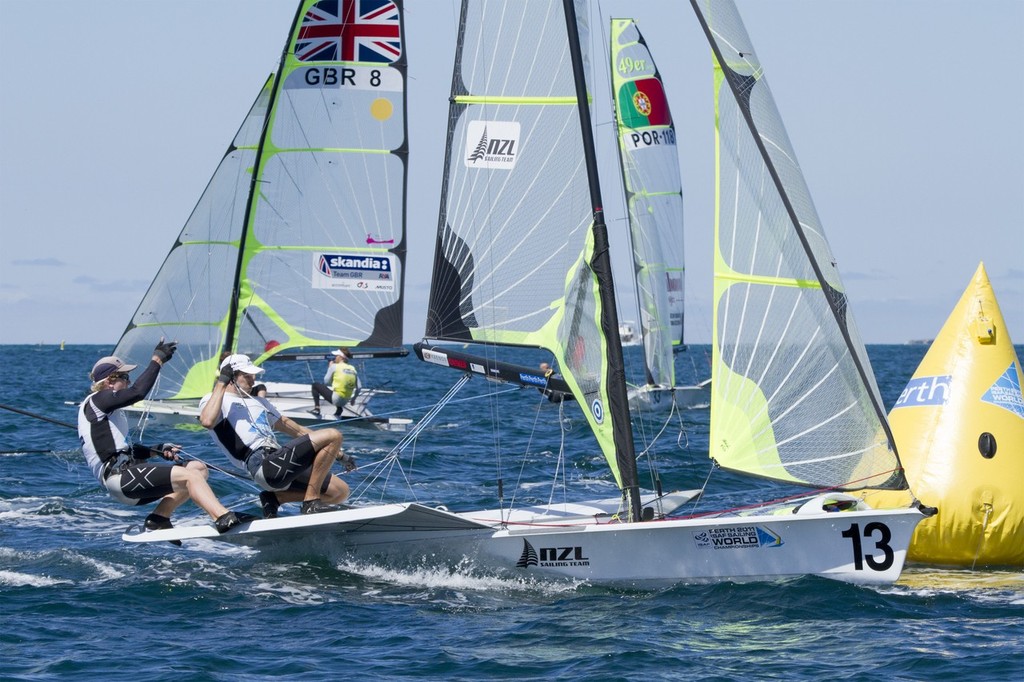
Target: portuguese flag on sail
point(642, 104)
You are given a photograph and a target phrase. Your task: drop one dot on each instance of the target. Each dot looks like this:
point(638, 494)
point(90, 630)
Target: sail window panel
point(360, 107)
point(583, 355)
point(191, 286)
point(517, 49)
point(325, 199)
point(794, 384)
point(654, 221)
point(526, 223)
point(220, 211)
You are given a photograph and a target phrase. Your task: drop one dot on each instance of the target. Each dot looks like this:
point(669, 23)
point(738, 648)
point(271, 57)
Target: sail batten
point(298, 242)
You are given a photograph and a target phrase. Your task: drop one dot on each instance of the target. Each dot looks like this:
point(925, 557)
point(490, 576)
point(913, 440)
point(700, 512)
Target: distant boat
point(920, 342)
point(629, 335)
point(654, 200)
point(275, 260)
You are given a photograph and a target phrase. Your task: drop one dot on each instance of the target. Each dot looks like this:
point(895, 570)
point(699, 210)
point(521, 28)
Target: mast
point(229, 333)
point(601, 264)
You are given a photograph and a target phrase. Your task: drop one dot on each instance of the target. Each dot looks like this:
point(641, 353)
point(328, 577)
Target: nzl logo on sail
point(925, 391)
point(492, 144)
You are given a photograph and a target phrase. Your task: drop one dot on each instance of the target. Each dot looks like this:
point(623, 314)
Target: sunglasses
point(123, 376)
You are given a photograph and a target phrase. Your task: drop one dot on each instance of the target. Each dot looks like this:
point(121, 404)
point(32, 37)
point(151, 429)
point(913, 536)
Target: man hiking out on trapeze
point(123, 468)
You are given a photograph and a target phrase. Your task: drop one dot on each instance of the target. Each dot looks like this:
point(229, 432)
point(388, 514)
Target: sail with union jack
point(350, 31)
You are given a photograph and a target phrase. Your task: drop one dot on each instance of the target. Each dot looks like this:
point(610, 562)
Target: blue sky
point(905, 116)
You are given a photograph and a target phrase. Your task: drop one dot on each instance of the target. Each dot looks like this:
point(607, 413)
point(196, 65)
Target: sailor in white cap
point(243, 425)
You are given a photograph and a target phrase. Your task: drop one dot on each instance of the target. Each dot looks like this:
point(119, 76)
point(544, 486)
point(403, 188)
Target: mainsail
point(654, 198)
point(521, 247)
point(298, 241)
point(793, 398)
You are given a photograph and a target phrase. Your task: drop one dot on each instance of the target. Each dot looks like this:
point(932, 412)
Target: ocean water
point(77, 603)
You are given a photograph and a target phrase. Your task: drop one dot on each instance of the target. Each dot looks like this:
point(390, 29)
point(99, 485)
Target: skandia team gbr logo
point(350, 266)
point(492, 144)
point(353, 272)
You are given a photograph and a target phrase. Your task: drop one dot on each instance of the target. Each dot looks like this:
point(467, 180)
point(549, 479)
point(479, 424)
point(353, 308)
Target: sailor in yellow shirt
point(341, 383)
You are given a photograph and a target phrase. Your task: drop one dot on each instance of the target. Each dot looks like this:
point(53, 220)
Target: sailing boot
point(226, 522)
point(157, 522)
point(269, 504)
point(317, 507)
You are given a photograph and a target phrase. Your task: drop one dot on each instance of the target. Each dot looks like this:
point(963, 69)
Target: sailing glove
point(165, 350)
point(227, 375)
point(167, 451)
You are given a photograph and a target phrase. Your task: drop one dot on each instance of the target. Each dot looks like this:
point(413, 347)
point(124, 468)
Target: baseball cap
point(343, 352)
point(240, 363)
point(106, 366)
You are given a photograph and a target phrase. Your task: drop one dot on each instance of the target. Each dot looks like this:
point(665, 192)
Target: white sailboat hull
point(660, 398)
point(585, 543)
point(293, 400)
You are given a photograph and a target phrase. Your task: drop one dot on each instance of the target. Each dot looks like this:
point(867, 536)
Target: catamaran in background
point(648, 158)
point(793, 395)
point(297, 246)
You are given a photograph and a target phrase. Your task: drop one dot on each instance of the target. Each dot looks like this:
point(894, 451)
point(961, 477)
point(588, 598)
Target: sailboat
point(297, 245)
point(522, 261)
point(654, 198)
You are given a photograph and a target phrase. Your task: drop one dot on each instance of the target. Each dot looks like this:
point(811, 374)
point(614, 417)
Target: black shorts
point(288, 467)
point(140, 483)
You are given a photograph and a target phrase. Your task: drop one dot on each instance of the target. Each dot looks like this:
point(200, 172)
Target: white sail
point(654, 196)
point(298, 241)
point(515, 239)
point(794, 397)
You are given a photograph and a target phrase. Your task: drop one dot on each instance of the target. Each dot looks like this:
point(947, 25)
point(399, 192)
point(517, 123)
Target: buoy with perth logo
point(959, 427)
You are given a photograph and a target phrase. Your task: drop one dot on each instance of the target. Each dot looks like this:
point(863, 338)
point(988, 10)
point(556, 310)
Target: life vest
point(344, 381)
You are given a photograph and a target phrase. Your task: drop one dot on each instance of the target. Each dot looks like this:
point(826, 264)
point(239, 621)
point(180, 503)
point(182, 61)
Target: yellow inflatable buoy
point(959, 429)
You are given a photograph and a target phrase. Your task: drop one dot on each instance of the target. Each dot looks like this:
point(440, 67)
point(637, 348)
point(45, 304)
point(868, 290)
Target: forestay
point(298, 241)
point(650, 170)
point(793, 397)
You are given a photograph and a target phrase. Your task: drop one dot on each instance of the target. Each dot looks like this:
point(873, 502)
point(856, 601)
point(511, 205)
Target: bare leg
point(327, 443)
point(189, 481)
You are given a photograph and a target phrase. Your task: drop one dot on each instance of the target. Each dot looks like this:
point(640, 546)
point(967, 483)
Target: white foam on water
point(15, 579)
point(463, 577)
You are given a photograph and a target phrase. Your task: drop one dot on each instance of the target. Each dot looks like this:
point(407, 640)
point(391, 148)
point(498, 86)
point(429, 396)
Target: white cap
point(240, 363)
